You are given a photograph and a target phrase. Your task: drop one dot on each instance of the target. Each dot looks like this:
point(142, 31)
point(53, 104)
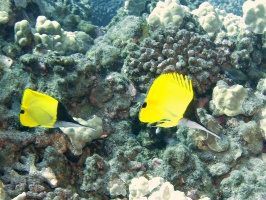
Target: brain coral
point(171, 50)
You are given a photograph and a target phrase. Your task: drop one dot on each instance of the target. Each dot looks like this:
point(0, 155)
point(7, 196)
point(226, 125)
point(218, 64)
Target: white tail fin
point(191, 124)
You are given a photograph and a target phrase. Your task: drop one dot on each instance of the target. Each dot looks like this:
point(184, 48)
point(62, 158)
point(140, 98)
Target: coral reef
point(105, 72)
point(261, 115)
point(5, 63)
point(246, 182)
point(106, 52)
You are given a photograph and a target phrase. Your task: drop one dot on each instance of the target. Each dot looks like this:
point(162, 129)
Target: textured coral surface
point(98, 58)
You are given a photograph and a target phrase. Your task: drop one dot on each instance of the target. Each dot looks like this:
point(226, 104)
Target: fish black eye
point(22, 112)
point(144, 105)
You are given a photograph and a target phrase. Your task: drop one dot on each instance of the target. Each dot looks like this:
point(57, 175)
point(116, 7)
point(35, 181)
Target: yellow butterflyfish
point(167, 101)
point(39, 109)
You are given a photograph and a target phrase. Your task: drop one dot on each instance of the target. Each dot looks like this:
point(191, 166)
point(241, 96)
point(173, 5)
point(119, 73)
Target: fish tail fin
point(191, 124)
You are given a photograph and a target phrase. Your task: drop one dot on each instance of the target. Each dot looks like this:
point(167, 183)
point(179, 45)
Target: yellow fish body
point(167, 101)
point(38, 109)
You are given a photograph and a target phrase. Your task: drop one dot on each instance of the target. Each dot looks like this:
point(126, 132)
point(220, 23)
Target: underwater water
point(89, 132)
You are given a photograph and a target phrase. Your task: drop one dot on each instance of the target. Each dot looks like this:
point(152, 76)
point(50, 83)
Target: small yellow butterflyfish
point(167, 102)
point(38, 109)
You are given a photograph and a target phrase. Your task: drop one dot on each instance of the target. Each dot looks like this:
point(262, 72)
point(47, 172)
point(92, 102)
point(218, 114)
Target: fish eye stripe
point(22, 112)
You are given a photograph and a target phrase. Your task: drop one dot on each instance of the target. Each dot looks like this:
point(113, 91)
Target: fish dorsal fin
point(38, 109)
point(167, 100)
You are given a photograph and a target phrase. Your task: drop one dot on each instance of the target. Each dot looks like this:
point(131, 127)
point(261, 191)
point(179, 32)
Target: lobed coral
point(208, 18)
point(231, 23)
point(79, 136)
point(174, 50)
point(166, 14)
point(255, 15)
point(223, 101)
point(155, 188)
point(52, 37)
point(5, 9)
point(23, 35)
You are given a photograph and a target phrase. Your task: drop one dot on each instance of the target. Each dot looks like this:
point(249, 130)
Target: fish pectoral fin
point(191, 124)
point(166, 123)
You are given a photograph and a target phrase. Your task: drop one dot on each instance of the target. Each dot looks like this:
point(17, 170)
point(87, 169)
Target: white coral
point(156, 188)
point(79, 136)
point(228, 100)
point(167, 13)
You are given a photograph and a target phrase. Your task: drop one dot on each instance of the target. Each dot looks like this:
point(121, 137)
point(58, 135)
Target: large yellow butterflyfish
point(38, 109)
point(167, 102)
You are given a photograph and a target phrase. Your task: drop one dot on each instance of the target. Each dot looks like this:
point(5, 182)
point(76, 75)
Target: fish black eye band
point(62, 115)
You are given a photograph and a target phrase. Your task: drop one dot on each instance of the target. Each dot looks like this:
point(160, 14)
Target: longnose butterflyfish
point(39, 109)
point(167, 102)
